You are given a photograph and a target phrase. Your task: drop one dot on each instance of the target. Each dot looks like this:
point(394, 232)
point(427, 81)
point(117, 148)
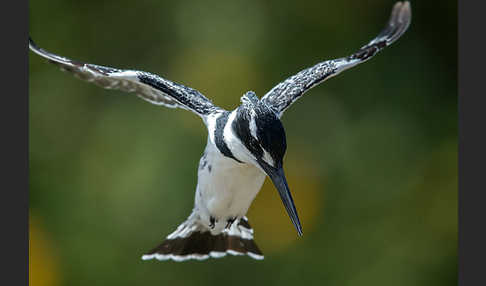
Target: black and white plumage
point(287, 92)
point(244, 145)
point(147, 86)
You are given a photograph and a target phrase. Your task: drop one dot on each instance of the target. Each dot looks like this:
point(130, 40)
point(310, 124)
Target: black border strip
point(14, 211)
point(472, 143)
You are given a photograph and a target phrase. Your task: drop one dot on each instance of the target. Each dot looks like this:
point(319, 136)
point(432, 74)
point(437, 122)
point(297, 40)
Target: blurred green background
point(375, 186)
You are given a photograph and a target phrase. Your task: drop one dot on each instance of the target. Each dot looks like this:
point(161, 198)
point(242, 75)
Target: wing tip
point(398, 23)
point(401, 17)
point(32, 45)
point(41, 52)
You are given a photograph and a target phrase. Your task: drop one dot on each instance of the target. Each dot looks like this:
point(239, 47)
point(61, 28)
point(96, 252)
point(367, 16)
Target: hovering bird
point(243, 147)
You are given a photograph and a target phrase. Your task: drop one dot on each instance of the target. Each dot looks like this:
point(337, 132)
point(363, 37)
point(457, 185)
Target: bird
point(244, 145)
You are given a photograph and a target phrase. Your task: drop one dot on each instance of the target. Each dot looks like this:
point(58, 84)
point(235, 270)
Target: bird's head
point(262, 133)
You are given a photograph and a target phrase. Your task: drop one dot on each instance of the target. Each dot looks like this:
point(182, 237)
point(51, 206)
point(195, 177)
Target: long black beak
point(278, 178)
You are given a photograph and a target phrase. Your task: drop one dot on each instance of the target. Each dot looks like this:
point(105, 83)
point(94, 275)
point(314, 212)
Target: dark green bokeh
point(110, 174)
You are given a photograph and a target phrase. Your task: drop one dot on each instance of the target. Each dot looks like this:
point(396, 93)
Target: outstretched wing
point(147, 86)
point(288, 91)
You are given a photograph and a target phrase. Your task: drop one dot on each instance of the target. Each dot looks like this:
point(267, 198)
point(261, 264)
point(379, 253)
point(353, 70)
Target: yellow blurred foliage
point(273, 229)
point(221, 75)
point(43, 265)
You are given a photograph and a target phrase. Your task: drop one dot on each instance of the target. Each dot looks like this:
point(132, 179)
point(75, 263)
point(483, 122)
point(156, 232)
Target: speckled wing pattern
point(288, 91)
point(147, 86)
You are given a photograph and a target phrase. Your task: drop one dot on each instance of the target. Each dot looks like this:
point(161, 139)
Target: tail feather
point(193, 241)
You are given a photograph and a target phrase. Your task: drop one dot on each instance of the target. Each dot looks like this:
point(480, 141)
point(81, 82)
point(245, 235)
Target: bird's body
point(225, 187)
point(243, 147)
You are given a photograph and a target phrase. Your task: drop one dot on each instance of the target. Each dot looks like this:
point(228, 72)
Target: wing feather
point(149, 87)
point(287, 92)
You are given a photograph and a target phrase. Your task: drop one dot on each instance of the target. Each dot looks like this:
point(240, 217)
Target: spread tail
point(191, 240)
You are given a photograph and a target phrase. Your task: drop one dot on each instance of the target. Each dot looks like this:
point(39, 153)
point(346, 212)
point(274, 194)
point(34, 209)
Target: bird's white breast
point(225, 187)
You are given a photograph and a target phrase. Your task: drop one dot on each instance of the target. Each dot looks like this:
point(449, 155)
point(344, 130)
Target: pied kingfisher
point(243, 147)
